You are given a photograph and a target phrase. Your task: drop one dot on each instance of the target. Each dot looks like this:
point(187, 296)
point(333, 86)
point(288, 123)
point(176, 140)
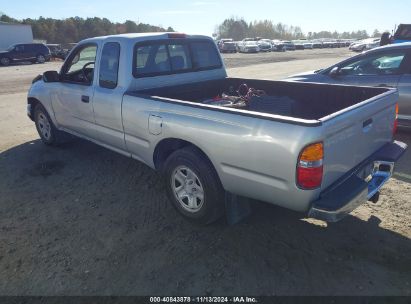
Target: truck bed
point(305, 101)
point(352, 122)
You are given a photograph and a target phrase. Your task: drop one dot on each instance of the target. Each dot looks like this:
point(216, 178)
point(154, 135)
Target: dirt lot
point(82, 220)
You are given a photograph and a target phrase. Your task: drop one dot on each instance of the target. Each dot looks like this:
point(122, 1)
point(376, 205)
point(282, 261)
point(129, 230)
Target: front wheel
point(48, 132)
point(5, 61)
point(193, 186)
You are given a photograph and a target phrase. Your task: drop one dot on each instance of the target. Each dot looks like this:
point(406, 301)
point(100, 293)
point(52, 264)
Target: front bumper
point(360, 185)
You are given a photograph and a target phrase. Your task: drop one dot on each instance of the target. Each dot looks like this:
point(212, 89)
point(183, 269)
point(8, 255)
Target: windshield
point(11, 47)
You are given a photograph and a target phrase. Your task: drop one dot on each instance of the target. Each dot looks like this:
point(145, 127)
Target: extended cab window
point(179, 57)
point(110, 56)
point(152, 59)
point(174, 56)
point(204, 55)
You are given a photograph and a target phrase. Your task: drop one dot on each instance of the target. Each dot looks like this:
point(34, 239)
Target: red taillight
point(310, 167)
point(394, 129)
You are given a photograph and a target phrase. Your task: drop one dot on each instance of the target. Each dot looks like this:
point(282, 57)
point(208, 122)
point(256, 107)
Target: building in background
point(14, 33)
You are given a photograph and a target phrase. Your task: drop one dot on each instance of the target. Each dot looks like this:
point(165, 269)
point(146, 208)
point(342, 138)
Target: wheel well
point(33, 102)
point(169, 145)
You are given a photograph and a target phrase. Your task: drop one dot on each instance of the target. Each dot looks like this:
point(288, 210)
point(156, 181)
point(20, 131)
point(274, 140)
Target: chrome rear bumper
point(359, 186)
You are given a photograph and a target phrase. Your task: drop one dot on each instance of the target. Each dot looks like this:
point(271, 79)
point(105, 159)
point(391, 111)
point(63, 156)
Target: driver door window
point(375, 65)
point(81, 67)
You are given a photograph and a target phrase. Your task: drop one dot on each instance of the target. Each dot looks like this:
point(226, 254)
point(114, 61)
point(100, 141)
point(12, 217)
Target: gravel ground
point(82, 220)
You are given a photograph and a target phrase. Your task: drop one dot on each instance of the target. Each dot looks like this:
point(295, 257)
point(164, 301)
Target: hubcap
point(44, 126)
point(41, 59)
point(5, 61)
point(187, 189)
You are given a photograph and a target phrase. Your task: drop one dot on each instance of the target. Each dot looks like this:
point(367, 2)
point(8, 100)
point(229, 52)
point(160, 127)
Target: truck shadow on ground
point(82, 220)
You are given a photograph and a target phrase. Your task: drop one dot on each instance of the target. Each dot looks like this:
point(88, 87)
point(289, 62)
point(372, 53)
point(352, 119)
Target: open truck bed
point(351, 122)
point(302, 101)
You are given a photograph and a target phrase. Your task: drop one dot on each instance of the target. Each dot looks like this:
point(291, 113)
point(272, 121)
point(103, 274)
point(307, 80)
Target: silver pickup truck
point(165, 99)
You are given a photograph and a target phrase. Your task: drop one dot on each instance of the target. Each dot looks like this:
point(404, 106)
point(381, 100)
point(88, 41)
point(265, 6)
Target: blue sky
point(201, 16)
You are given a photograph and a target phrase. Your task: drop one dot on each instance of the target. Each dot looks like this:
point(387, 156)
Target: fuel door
point(155, 124)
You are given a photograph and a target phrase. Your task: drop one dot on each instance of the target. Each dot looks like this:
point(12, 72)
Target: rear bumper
point(404, 121)
point(360, 185)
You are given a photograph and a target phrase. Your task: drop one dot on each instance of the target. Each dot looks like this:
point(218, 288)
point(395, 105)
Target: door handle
point(367, 125)
point(85, 98)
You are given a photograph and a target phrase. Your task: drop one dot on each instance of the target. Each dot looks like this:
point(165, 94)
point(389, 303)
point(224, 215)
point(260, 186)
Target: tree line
point(75, 29)
point(238, 29)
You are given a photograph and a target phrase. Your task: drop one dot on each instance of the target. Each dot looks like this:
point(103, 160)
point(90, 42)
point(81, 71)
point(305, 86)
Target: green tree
point(376, 33)
point(75, 28)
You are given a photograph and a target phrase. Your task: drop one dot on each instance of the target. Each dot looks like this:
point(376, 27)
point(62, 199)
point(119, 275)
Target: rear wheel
point(40, 58)
point(5, 61)
point(193, 186)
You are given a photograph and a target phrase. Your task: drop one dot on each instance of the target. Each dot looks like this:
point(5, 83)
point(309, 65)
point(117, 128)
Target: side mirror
point(51, 76)
point(334, 72)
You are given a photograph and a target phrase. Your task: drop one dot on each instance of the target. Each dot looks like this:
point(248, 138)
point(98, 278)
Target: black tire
point(40, 58)
point(212, 207)
point(5, 61)
point(53, 136)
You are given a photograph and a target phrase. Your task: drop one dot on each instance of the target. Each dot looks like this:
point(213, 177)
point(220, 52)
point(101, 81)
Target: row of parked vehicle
point(258, 44)
point(34, 52)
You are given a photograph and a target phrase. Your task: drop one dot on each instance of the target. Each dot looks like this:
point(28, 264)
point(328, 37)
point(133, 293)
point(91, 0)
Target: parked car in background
point(248, 46)
point(264, 45)
point(278, 46)
point(57, 51)
point(299, 45)
point(67, 47)
point(33, 52)
point(341, 43)
point(308, 45)
point(387, 66)
point(227, 46)
point(366, 44)
point(374, 43)
point(328, 44)
point(317, 44)
point(289, 45)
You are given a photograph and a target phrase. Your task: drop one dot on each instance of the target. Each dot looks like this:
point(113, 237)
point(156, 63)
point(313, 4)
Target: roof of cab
point(138, 36)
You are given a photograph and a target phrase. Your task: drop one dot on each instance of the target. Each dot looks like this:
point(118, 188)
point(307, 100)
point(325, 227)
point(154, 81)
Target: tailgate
point(355, 133)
